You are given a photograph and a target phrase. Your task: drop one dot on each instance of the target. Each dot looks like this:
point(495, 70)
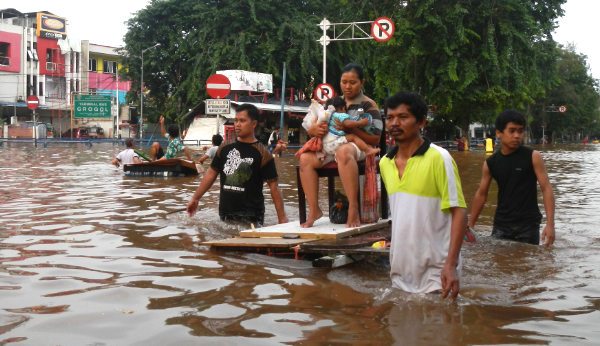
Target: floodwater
point(91, 257)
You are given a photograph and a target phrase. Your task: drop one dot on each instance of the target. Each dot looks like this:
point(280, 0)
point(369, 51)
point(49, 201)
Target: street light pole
point(142, 94)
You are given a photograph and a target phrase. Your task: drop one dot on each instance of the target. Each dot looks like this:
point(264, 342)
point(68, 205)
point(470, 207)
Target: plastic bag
point(370, 198)
point(338, 213)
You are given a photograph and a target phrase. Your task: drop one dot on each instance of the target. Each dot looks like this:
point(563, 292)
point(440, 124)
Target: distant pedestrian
point(517, 169)
point(127, 156)
point(210, 153)
point(275, 143)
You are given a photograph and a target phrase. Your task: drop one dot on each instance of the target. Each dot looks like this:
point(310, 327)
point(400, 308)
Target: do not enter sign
point(324, 92)
point(218, 86)
point(32, 102)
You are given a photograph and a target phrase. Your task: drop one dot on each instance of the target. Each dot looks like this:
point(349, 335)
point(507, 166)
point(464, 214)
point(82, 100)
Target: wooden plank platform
point(322, 229)
point(256, 242)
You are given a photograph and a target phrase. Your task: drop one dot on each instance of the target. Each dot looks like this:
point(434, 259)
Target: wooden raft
point(322, 229)
point(323, 235)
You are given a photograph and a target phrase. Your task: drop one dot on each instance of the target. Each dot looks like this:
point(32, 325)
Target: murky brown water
point(88, 256)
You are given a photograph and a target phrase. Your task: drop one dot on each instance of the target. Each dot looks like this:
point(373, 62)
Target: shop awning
point(273, 107)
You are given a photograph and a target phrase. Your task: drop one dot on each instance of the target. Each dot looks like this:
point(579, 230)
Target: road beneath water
point(89, 256)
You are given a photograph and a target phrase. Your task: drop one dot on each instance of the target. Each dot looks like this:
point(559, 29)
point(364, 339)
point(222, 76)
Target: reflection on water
point(88, 256)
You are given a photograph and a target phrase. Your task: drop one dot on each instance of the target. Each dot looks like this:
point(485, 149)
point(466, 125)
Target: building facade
point(38, 58)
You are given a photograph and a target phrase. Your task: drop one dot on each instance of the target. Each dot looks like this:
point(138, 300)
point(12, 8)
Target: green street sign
point(92, 106)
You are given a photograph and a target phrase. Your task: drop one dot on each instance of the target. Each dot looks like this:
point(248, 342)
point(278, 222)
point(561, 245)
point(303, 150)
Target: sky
point(103, 22)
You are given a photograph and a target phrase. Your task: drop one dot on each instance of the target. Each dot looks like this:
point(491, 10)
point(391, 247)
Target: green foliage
point(576, 90)
point(471, 58)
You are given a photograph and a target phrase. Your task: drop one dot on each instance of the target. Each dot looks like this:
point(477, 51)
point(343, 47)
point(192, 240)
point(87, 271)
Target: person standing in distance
point(427, 204)
point(517, 169)
point(210, 153)
point(243, 166)
point(127, 156)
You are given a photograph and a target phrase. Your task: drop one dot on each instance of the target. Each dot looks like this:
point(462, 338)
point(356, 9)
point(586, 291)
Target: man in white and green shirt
point(427, 203)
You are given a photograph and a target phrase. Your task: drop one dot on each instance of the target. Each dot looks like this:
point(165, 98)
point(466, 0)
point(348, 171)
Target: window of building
point(93, 91)
point(4, 53)
point(35, 53)
point(41, 89)
point(109, 66)
point(50, 55)
point(30, 88)
point(93, 65)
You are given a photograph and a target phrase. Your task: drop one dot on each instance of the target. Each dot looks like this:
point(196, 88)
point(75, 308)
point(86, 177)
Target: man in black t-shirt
point(243, 167)
point(517, 170)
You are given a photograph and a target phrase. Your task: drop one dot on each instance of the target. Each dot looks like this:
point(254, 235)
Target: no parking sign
point(382, 29)
point(323, 92)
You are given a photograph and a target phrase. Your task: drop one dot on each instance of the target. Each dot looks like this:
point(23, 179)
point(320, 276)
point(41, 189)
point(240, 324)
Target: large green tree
point(578, 92)
point(200, 37)
point(472, 58)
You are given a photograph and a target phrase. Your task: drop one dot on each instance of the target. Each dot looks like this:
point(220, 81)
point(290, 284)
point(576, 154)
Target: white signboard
point(217, 106)
point(249, 81)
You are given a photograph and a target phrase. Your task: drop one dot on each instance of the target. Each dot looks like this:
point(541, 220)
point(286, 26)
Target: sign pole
point(33, 103)
point(282, 103)
point(117, 102)
point(34, 130)
point(72, 110)
point(324, 51)
point(218, 86)
point(381, 30)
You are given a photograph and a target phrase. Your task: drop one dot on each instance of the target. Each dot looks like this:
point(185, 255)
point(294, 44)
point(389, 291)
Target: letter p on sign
point(382, 29)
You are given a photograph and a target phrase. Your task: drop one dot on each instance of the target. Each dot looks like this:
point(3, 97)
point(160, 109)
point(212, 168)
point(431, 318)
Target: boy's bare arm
point(356, 123)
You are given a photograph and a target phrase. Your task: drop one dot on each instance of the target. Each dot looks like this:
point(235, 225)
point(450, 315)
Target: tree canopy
point(470, 58)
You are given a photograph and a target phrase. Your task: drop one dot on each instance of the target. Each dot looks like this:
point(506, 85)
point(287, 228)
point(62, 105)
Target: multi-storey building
point(38, 58)
point(101, 78)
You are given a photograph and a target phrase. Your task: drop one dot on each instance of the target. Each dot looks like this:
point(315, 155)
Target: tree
point(578, 91)
point(200, 37)
point(472, 58)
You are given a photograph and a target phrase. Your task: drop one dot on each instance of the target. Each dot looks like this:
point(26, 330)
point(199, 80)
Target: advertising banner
point(50, 26)
point(249, 81)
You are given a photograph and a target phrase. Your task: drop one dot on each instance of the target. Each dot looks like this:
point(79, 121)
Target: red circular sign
point(218, 86)
point(323, 92)
point(383, 29)
point(32, 102)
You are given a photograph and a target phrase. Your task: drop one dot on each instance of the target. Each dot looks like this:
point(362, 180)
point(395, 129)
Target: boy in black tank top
point(517, 170)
